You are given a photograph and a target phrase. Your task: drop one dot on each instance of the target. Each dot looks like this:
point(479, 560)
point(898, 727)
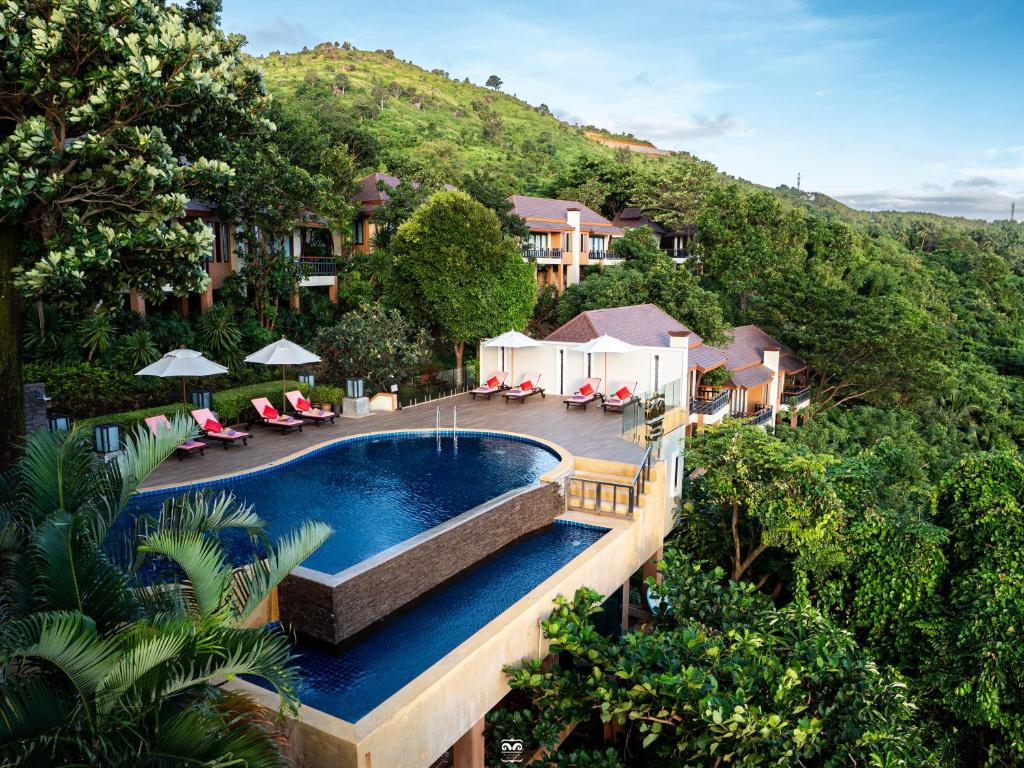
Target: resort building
point(674, 243)
point(369, 197)
point(765, 376)
point(312, 243)
point(565, 235)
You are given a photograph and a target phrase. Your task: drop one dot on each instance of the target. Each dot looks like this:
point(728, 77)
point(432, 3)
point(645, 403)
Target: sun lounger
point(269, 416)
point(527, 386)
point(190, 446)
point(213, 430)
point(620, 398)
point(585, 395)
point(491, 385)
point(306, 410)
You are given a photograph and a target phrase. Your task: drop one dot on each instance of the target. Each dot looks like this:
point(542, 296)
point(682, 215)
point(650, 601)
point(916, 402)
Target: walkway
point(590, 433)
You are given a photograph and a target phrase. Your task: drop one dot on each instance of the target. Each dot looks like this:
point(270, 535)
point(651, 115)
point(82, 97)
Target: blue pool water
point(377, 492)
point(377, 663)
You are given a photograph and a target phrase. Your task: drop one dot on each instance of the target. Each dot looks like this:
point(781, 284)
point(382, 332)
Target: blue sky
point(913, 106)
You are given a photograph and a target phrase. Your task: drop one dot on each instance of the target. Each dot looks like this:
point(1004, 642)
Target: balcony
point(320, 266)
point(678, 255)
point(800, 397)
point(762, 415)
point(542, 254)
point(709, 401)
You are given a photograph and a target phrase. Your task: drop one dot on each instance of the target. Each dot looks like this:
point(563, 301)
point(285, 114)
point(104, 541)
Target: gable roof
point(546, 211)
point(643, 325)
point(369, 196)
point(747, 349)
point(633, 218)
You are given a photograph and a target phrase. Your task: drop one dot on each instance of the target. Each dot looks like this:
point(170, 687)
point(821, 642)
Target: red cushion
point(526, 385)
point(302, 404)
point(492, 382)
point(622, 394)
point(586, 390)
point(212, 426)
point(270, 412)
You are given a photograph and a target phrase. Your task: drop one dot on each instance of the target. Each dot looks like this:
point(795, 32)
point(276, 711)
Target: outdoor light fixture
point(58, 422)
point(107, 438)
point(308, 379)
point(353, 388)
point(202, 398)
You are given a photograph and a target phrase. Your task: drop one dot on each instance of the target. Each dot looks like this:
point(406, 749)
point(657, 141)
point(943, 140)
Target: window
point(317, 241)
point(538, 241)
point(219, 251)
point(598, 243)
point(357, 231)
point(567, 241)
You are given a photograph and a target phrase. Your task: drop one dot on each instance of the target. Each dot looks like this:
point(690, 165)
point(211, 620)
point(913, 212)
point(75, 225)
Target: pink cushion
point(302, 404)
point(492, 382)
point(586, 390)
point(212, 426)
point(622, 394)
point(270, 412)
point(526, 385)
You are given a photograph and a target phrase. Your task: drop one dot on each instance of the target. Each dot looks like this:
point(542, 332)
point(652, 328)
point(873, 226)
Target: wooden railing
point(532, 254)
point(709, 401)
point(801, 395)
point(762, 414)
point(321, 265)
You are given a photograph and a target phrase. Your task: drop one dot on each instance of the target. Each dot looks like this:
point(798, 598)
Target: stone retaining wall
point(333, 608)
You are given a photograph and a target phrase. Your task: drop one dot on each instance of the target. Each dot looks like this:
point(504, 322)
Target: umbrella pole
point(184, 398)
point(283, 398)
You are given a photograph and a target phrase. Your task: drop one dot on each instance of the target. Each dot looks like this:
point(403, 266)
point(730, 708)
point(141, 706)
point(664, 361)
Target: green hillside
point(402, 118)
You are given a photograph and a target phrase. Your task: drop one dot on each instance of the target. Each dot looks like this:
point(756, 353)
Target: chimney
point(572, 218)
point(679, 339)
point(771, 358)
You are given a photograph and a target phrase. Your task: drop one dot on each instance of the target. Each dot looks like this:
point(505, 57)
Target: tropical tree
point(102, 102)
point(493, 82)
point(722, 677)
point(755, 495)
point(116, 631)
point(976, 661)
point(456, 272)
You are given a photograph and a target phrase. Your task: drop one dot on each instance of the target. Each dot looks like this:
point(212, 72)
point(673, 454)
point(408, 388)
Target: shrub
point(87, 389)
point(373, 343)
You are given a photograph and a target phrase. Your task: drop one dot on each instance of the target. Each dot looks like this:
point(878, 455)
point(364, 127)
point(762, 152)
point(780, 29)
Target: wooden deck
point(591, 433)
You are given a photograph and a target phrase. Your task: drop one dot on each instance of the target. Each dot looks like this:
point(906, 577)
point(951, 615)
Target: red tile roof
point(534, 208)
point(643, 325)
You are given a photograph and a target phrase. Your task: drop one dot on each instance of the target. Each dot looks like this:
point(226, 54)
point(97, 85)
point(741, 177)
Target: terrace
point(588, 433)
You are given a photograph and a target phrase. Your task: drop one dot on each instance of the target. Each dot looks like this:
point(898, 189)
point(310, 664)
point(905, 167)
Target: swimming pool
point(378, 490)
point(366, 671)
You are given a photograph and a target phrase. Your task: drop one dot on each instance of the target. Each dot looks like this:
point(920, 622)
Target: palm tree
point(117, 633)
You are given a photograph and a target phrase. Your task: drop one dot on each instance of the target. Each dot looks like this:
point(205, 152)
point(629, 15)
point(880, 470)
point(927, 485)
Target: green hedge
point(233, 406)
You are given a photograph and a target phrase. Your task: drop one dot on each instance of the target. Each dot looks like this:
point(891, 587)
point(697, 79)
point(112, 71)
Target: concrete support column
point(468, 751)
point(332, 291)
point(295, 302)
point(183, 307)
point(651, 566)
point(206, 300)
point(136, 302)
point(625, 606)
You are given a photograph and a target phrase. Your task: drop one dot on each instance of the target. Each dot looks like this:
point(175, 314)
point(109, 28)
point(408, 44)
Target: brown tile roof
point(705, 358)
point(751, 377)
point(643, 325)
point(747, 348)
point(369, 196)
point(534, 208)
point(632, 218)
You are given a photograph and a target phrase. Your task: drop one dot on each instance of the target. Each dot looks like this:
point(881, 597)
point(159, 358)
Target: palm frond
point(253, 583)
point(229, 652)
point(57, 472)
point(141, 658)
point(29, 705)
point(201, 557)
point(66, 641)
point(206, 513)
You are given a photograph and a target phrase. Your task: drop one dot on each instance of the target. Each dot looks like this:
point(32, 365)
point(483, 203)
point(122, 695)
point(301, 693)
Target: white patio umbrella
point(283, 352)
point(609, 345)
point(512, 340)
point(186, 363)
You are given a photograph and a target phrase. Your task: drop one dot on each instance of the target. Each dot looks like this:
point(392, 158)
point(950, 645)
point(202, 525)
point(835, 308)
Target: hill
point(424, 123)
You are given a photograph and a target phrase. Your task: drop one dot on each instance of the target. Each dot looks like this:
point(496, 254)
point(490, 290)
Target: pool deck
point(591, 433)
